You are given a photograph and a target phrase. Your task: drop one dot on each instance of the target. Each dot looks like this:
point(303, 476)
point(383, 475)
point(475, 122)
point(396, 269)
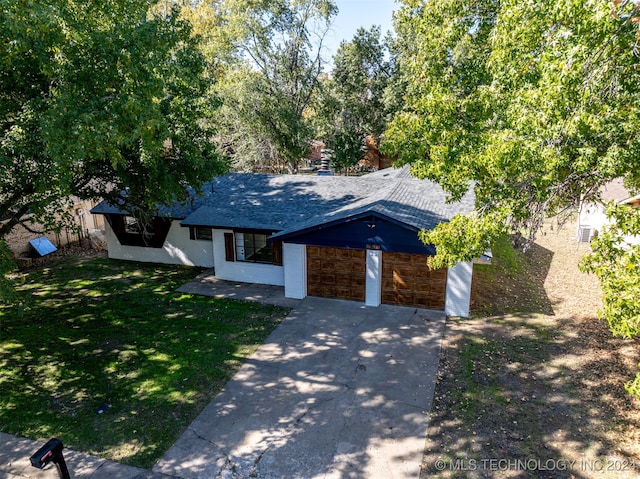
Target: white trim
point(458, 299)
point(178, 248)
point(242, 271)
point(373, 291)
point(294, 260)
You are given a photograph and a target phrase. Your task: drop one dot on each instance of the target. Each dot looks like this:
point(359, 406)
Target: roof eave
point(284, 235)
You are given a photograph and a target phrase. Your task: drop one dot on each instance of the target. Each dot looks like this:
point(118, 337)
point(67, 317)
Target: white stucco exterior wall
point(243, 271)
point(294, 259)
point(177, 249)
point(458, 298)
point(594, 215)
point(591, 215)
point(374, 278)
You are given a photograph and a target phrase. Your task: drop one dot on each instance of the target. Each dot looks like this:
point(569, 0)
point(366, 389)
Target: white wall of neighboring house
point(178, 248)
point(591, 218)
point(242, 271)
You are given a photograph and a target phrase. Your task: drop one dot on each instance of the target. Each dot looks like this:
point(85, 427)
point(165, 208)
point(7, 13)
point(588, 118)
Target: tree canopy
point(533, 104)
point(354, 104)
point(96, 97)
point(268, 55)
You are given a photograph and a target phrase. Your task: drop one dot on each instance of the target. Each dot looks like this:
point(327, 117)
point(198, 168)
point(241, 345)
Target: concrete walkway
point(337, 390)
point(14, 463)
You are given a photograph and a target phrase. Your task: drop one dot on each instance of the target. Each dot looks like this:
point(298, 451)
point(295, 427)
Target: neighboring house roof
point(632, 201)
point(291, 203)
point(614, 190)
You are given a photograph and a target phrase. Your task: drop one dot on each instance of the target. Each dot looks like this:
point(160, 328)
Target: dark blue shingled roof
point(290, 203)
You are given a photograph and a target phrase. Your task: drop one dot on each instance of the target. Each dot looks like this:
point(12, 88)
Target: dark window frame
point(254, 248)
point(200, 233)
point(129, 233)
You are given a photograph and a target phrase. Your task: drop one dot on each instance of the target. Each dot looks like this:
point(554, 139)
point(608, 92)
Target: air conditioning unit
point(585, 234)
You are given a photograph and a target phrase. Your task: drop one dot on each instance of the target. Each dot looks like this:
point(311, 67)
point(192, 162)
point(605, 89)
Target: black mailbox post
point(51, 452)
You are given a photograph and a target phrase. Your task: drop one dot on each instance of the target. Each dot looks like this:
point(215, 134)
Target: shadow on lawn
point(513, 285)
point(511, 391)
point(528, 392)
point(109, 332)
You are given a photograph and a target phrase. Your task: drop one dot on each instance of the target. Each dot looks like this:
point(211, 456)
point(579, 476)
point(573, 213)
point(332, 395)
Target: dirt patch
point(533, 384)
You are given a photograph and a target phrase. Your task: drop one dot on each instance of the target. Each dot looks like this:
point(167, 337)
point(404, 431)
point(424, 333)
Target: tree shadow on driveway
point(338, 390)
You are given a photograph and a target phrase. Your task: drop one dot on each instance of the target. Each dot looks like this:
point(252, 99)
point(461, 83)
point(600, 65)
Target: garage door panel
point(427, 300)
point(314, 264)
point(343, 267)
point(336, 273)
point(407, 280)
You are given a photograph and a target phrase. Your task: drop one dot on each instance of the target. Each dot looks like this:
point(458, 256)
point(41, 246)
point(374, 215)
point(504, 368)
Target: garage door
point(336, 273)
point(408, 281)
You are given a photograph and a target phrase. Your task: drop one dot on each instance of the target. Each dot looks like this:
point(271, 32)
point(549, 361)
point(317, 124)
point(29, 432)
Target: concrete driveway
point(339, 390)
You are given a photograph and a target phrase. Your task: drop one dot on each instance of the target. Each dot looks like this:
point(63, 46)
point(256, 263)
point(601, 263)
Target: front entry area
point(338, 273)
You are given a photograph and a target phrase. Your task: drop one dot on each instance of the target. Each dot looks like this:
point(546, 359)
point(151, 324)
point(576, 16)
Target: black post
point(51, 452)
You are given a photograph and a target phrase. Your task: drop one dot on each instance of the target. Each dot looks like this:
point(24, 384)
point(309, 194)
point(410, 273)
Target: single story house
point(351, 238)
point(592, 215)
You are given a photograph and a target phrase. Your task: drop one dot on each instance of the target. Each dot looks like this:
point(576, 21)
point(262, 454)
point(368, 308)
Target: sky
point(354, 14)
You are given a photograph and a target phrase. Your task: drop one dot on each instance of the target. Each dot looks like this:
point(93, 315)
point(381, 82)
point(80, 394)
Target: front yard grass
point(106, 356)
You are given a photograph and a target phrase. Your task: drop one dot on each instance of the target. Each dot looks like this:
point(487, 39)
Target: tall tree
point(532, 104)
point(363, 68)
point(96, 97)
point(267, 89)
point(355, 103)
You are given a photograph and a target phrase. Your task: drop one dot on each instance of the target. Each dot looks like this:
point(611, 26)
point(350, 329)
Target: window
point(130, 232)
point(131, 225)
point(200, 233)
point(254, 248)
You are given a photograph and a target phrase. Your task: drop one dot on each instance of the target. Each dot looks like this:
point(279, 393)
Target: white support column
point(374, 277)
point(458, 297)
point(294, 260)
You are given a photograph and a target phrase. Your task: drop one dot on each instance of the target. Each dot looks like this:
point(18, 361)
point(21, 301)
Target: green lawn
point(101, 331)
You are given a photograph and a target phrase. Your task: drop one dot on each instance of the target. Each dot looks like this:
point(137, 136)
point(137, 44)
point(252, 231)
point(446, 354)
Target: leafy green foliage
point(363, 68)
point(354, 103)
point(534, 105)
point(7, 265)
point(474, 236)
point(102, 331)
point(269, 79)
point(536, 102)
point(96, 97)
point(615, 260)
point(347, 145)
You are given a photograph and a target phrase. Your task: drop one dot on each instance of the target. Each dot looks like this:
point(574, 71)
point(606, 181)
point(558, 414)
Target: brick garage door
point(408, 281)
point(336, 273)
